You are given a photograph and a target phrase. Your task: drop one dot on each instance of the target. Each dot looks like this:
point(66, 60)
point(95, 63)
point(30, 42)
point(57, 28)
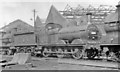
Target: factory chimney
point(89, 17)
point(118, 8)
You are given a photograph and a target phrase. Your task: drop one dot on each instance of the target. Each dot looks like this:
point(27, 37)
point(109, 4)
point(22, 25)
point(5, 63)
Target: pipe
point(89, 17)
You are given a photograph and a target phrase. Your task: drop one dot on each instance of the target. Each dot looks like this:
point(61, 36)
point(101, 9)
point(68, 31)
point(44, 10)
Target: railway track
point(102, 63)
point(78, 63)
point(84, 58)
point(83, 62)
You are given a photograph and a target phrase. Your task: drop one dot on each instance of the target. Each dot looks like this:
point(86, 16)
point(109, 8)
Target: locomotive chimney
point(89, 17)
point(118, 8)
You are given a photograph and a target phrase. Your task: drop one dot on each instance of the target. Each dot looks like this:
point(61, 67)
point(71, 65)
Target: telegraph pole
point(36, 37)
point(34, 13)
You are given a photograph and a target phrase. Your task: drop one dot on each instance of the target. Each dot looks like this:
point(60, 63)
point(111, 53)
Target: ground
point(60, 64)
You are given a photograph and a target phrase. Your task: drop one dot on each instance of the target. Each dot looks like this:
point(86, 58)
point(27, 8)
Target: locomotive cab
point(53, 28)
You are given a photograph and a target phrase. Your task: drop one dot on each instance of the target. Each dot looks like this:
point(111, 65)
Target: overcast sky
point(11, 10)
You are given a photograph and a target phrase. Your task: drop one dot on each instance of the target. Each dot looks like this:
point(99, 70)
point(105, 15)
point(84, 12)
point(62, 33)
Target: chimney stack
point(118, 8)
point(89, 17)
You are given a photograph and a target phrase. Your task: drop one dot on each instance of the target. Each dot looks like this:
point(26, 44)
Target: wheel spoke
point(113, 56)
point(91, 54)
point(44, 53)
point(60, 54)
point(77, 54)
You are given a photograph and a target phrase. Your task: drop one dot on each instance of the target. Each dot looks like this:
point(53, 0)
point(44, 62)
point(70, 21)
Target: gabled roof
point(17, 24)
point(55, 17)
point(38, 22)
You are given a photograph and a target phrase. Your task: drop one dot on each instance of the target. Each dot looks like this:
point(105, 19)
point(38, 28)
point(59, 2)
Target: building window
point(15, 29)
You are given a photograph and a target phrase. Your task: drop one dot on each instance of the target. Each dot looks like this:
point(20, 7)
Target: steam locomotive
point(61, 37)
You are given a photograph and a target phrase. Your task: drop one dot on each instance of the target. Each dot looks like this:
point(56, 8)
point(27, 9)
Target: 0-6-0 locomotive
point(60, 37)
point(72, 40)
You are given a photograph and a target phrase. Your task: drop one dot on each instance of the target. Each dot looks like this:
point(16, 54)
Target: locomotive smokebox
point(89, 17)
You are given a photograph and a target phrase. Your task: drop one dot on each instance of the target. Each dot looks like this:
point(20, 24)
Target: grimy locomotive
point(61, 37)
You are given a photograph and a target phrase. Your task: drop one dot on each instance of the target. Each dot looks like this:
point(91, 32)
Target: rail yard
point(87, 41)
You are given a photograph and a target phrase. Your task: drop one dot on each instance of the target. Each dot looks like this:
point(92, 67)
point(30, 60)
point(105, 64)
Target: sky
point(11, 10)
